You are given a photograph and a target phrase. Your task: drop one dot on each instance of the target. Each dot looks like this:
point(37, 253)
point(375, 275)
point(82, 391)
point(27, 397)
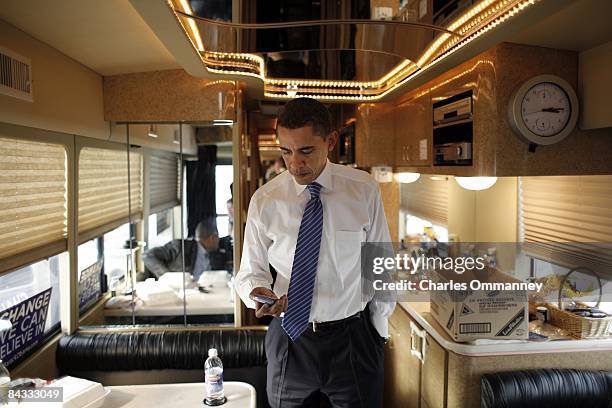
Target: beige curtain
point(163, 181)
point(427, 198)
point(33, 214)
point(103, 190)
point(568, 219)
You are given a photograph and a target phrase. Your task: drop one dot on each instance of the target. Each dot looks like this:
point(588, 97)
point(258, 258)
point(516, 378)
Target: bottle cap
point(212, 352)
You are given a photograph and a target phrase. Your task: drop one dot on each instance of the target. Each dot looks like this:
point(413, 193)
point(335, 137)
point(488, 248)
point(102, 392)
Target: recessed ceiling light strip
point(478, 20)
point(331, 91)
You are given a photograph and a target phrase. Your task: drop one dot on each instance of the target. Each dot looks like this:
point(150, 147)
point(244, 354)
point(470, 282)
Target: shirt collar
point(201, 249)
point(324, 179)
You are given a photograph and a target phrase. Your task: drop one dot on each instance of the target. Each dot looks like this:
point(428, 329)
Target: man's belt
point(325, 325)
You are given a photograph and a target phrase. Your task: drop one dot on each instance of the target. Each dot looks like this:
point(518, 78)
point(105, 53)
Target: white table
point(217, 302)
point(187, 395)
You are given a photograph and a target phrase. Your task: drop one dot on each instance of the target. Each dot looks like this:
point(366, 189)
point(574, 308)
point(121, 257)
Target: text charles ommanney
point(428, 285)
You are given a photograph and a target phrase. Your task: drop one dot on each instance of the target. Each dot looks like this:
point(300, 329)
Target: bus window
point(90, 274)
point(115, 254)
point(224, 176)
point(160, 228)
point(88, 254)
point(37, 284)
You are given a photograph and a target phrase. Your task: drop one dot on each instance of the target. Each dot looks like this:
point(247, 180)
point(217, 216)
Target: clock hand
point(552, 110)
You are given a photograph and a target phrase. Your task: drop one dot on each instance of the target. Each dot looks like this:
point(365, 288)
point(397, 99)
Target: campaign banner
point(90, 284)
point(28, 318)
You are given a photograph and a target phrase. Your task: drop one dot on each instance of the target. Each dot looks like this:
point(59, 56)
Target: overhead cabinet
point(401, 132)
point(375, 135)
point(413, 129)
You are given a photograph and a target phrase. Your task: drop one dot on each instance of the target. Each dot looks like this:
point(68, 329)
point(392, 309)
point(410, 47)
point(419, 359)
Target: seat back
point(545, 388)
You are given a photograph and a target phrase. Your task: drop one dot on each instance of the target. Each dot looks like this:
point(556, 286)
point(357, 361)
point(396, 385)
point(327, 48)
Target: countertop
point(239, 395)
point(419, 311)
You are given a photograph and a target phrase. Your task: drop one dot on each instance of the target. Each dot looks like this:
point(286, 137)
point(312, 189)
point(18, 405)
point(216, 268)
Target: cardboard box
point(480, 314)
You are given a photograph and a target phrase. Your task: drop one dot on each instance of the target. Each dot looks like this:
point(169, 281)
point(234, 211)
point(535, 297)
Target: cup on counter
point(542, 314)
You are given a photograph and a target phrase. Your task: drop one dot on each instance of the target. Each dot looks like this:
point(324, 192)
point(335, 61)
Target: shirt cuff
point(381, 324)
point(247, 287)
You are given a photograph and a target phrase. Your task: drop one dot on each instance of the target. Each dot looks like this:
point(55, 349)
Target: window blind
point(163, 181)
point(103, 190)
point(33, 214)
point(568, 219)
point(427, 198)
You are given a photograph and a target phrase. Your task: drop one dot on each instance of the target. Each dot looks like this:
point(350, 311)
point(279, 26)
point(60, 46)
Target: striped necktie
point(304, 270)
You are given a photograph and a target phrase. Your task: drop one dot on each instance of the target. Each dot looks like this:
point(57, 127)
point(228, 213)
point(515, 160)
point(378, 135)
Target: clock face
point(546, 109)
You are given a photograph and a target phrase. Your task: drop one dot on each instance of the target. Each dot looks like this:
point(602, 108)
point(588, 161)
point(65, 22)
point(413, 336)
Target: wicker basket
point(578, 326)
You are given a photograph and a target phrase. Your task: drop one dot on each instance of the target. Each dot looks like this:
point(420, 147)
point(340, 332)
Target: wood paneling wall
point(171, 95)
point(582, 152)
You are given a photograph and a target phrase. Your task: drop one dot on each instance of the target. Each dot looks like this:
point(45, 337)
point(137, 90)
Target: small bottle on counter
point(213, 371)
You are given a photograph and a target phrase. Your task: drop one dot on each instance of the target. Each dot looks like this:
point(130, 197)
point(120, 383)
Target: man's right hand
point(262, 309)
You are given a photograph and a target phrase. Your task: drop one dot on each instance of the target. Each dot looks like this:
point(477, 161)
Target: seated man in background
point(201, 253)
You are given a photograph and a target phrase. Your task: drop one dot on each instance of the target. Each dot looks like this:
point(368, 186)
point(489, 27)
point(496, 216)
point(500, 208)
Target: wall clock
point(543, 110)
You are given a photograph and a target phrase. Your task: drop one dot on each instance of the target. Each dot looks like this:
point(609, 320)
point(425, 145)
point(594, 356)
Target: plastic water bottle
point(5, 379)
point(213, 371)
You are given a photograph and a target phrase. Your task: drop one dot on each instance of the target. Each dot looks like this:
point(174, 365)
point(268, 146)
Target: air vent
point(15, 75)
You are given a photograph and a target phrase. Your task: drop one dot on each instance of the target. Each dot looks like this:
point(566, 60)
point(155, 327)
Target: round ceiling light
point(408, 177)
point(476, 183)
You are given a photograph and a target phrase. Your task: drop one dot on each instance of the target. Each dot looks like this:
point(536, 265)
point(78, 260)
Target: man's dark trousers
point(344, 361)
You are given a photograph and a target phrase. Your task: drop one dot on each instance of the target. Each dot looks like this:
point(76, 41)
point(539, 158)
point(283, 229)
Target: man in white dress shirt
point(327, 336)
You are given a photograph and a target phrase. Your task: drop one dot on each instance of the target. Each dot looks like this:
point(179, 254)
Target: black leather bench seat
point(125, 356)
point(547, 388)
point(160, 350)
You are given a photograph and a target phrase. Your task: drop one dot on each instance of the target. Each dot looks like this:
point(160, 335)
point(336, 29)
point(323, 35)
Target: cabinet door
point(374, 135)
point(433, 374)
point(413, 132)
point(402, 369)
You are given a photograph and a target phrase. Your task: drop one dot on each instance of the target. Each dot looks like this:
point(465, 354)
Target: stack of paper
point(176, 279)
point(156, 293)
point(77, 393)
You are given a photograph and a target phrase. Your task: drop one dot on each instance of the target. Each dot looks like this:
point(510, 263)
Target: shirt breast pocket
point(348, 256)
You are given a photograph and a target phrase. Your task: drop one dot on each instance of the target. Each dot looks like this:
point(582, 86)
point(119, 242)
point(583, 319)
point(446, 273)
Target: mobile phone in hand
point(264, 299)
